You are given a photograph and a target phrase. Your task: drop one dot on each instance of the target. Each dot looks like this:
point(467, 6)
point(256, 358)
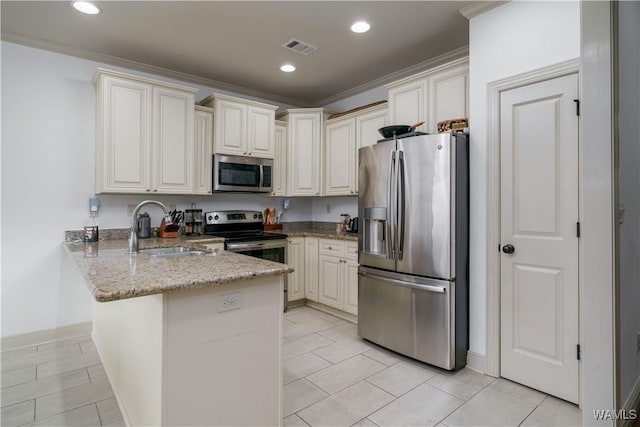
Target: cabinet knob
point(155, 191)
point(245, 153)
point(148, 189)
point(250, 153)
point(317, 193)
point(330, 248)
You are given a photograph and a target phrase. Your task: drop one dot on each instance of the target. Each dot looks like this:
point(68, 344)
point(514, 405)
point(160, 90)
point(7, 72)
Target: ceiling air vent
point(300, 47)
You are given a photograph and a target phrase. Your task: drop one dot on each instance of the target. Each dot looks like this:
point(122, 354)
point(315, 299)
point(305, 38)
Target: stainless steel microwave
point(241, 174)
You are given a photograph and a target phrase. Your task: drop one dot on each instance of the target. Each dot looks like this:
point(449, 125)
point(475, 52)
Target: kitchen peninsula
point(187, 340)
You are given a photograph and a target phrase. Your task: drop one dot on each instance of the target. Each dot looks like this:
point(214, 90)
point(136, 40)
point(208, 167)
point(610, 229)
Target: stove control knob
point(216, 217)
point(260, 216)
point(255, 216)
point(209, 217)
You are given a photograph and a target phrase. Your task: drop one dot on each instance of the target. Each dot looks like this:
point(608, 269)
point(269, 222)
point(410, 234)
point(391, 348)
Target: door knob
point(508, 249)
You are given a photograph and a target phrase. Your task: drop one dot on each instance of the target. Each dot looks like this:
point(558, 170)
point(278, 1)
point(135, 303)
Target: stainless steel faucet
point(133, 236)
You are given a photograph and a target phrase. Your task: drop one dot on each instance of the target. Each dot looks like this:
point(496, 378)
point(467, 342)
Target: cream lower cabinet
point(338, 274)
point(311, 268)
point(144, 135)
point(296, 259)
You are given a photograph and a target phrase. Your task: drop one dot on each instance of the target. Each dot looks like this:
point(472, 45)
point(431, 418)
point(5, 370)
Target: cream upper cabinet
point(173, 122)
point(296, 259)
point(338, 274)
point(437, 94)
point(448, 95)
point(261, 132)
point(343, 137)
point(407, 104)
point(340, 153)
point(367, 125)
point(242, 127)
point(280, 160)
point(203, 147)
point(311, 268)
point(305, 149)
point(144, 135)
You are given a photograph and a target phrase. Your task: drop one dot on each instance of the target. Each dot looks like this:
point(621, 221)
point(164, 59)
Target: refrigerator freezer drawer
point(410, 315)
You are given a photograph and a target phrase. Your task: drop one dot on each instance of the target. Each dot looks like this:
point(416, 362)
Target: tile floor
point(334, 378)
point(57, 384)
point(331, 378)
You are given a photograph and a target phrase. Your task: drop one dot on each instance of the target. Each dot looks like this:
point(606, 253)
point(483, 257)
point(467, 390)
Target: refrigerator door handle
point(391, 196)
point(429, 288)
point(401, 202)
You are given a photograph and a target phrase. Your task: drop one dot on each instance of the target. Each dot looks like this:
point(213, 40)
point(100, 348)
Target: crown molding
point(450, 56)
point(479, 7)
point(152, 69)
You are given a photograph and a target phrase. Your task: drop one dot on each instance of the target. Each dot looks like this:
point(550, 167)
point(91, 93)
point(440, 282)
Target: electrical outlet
point(638, 342)
point(328, 208)
point(229, 302)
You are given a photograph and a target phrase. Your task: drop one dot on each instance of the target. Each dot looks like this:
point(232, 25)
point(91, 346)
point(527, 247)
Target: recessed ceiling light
point(360, 27)
point(86, 7)
point(288, 68)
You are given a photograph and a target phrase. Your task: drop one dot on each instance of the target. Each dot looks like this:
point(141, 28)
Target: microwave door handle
point(261, 183)
point(401, 201)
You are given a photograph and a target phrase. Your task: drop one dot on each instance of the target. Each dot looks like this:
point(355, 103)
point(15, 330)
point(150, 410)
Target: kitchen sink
point(173, 251)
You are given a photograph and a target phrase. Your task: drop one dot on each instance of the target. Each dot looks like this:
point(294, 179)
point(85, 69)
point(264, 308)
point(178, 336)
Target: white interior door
point(539, 216)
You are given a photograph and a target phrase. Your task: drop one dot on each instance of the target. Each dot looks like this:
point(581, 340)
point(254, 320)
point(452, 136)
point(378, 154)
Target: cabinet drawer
point(351, 251)
point(332, 247)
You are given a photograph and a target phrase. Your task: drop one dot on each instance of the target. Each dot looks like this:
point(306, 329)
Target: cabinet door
point(230, 127)
point(311, 268)
point(203, 147)
point(330, 281)
point(295, 254)
point(261, 132)
point(280, 161)
point(448, 95)
point(407, 104)
point(123, 150)
point(173, 141)
point(350, 286)
point(367, 133)
point(340, 163)
point(304, 149)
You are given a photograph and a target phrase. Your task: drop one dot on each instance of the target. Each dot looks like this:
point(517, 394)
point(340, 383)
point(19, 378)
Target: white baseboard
point(477, 362)
point(45, 336)
point(338, 313)
point(632, 403)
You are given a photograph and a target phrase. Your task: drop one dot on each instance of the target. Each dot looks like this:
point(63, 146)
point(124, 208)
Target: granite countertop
point(112, 273)
point(323, 230)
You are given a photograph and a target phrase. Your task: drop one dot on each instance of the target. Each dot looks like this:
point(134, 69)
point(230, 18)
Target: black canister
point(144, 226)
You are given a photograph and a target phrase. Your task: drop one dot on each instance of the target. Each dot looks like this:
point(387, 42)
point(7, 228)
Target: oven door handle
point(248, 246)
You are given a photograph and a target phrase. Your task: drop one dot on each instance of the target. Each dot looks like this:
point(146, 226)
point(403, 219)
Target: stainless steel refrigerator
point(413, 247)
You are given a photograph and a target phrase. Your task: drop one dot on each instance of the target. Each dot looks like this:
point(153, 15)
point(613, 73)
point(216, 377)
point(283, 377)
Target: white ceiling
point(236, 45)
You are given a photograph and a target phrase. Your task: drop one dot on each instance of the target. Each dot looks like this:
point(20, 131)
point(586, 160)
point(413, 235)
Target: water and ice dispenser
point(375, 231)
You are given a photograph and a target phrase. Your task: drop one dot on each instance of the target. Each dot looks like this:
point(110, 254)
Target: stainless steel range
point(243, 233)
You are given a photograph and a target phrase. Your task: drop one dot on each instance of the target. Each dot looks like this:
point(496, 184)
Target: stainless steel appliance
point(242, 174)
point(243, 233)
point(413, 246)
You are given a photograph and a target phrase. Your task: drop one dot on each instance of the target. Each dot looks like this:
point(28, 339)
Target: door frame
point(493, 285)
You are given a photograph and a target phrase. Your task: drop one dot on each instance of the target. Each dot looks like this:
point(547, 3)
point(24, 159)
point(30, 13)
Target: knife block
point(162, 231)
